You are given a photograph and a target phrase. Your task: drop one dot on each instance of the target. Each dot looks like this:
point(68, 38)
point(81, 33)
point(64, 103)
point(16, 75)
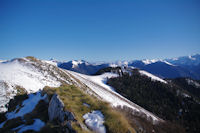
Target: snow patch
point(27, 106)
point(36, 126)
point(185, 95)
point(1, 125)
point(113, 65)
point(94, 121)
point(192, 82)
point(102, 79)
point(87, 105)
point(7, 92)
point(153, 77)
point(168, 63)
point(190, 57)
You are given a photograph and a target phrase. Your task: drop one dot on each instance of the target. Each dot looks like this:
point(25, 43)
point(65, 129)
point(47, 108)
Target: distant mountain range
point(186, 66)
point(82, 66)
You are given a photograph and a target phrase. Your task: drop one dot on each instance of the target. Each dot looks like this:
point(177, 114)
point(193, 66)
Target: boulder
point(56, 110)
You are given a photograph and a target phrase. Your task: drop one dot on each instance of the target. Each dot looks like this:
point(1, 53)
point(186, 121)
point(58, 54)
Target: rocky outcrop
point(56, 112)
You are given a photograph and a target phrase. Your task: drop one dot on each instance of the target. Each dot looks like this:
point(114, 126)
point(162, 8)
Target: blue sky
point(99, 30)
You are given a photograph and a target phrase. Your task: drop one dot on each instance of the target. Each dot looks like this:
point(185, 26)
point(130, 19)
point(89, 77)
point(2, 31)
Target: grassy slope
point(74, 98)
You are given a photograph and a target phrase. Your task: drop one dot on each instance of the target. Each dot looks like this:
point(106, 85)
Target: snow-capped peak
point(75, 63)
point(192, 58)
point(147, 61)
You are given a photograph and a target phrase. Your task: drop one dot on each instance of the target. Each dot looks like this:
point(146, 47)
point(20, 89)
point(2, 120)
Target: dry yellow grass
point(73, 99)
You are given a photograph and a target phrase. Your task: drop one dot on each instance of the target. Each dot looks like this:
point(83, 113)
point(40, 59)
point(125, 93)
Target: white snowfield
point(153, 77)
point(102, 79)
point(107, 94)
point(25, 74)
point(94, 121)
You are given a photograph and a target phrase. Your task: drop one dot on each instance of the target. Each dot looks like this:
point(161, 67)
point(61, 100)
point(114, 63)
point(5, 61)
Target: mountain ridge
point(185, 66)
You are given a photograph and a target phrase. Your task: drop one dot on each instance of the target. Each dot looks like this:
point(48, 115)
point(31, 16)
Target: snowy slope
point(153, 77)
point(102, 79)
point(107, 94)
point(16, 73)
point(52, 62)
point(29, 74)
point(27, 106)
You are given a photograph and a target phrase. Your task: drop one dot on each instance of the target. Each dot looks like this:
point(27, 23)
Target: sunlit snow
point(153, 77)
point(94, 121)
point(107, 94)
point(36, 126)
point(27, 106)
point(25, 75)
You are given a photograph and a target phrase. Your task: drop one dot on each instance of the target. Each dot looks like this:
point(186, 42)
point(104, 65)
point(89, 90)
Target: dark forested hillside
point(169, 101)
point(190, 85)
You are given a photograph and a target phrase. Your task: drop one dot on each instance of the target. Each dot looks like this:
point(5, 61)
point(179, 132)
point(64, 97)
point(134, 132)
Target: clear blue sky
point(99, 30)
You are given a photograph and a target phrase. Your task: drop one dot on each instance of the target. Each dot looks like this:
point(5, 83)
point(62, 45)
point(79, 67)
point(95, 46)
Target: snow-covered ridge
point(192, 60)
point(147, 61)
point(153, 77)
point(102, 79)
point(107, 94)
point(29, 74)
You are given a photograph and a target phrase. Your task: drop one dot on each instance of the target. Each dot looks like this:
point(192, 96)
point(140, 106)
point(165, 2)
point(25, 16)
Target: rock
point(55, 110)
point(70, 116)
